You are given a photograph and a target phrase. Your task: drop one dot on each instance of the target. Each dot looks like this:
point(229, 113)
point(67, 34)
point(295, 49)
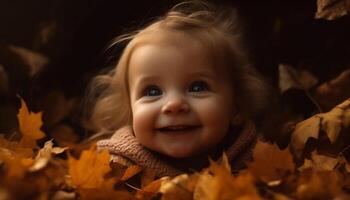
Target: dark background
point(78, 31)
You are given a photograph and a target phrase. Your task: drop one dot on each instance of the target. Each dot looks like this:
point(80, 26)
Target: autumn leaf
point(332, 9)
point(130, 172)
point(44, 156)
point(29, 126)
point(319, 162)
point(89, 170)
point(269, 162)
point(150, 190)
point(15, 159)
point(219, 183)
point(319, 185)
point(331, 123)
point(180, 187)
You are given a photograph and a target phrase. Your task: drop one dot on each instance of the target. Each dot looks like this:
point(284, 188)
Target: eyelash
point(204, 86)
point(195, 87)
point(146, 91)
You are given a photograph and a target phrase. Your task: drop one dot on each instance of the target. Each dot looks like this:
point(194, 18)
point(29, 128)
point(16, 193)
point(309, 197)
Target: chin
point(180, 154)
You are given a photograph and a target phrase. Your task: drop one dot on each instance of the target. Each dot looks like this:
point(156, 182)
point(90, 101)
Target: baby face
point(181, 104)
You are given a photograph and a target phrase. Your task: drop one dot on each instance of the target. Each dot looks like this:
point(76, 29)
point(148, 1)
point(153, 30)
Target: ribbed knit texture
point(125, 149)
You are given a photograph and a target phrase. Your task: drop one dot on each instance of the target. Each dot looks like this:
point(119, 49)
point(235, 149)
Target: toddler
point(181, 92)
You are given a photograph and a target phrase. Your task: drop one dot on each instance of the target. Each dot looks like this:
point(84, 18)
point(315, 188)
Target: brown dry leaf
point(320, 162)
point(319, 185)
point(130, 172)
point(269, 162)
point(44, 156)
point(181, 187)
point(89, 170)
point(29, 126)
point(332, 9)
point(331, 123)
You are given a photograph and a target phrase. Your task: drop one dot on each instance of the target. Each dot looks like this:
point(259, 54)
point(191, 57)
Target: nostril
point(175, 107)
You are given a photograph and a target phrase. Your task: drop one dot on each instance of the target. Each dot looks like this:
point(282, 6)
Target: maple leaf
point(89, 170)
point(29, 126)
point(331, 123)
point(220, 184)
point(269, 162)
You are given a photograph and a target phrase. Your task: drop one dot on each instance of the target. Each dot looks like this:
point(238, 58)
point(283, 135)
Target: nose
point(176, 104)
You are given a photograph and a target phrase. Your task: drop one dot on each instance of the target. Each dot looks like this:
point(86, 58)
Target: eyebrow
point(206, 74)
point(146, 78)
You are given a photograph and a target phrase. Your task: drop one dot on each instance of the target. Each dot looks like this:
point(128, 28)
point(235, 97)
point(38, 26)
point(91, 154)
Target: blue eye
point(198, 86)
point(152, 91)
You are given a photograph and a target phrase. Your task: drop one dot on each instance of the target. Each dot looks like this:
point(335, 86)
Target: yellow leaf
point(89, 170)
point(269, 162)
point(29, 126)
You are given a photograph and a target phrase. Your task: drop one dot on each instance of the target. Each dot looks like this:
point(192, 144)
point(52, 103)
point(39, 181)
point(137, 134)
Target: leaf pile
point(55, 173)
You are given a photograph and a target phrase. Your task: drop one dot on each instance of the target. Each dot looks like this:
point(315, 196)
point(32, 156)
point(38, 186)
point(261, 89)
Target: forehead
point(166, 47)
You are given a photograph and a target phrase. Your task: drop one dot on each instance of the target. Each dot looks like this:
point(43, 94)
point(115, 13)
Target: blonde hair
point(218, 30)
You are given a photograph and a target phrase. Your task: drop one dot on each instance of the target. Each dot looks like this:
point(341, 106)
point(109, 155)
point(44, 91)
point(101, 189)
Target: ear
point(237, 119)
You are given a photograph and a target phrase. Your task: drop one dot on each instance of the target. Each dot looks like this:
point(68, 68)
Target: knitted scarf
point(126, 150)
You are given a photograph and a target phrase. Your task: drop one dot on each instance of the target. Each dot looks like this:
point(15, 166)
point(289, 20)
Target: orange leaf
point(89, 170)
point(222, 185)
point(319, 185)
point(130, 172)
point(269, 162)
point(29, 126)
point(150, 190)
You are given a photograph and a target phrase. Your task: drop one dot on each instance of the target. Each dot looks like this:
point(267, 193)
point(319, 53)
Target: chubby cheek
point(144, 118)
point(216, 117)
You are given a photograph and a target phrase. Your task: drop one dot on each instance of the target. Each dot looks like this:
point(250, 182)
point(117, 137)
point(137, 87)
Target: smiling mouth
point(178, 128)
